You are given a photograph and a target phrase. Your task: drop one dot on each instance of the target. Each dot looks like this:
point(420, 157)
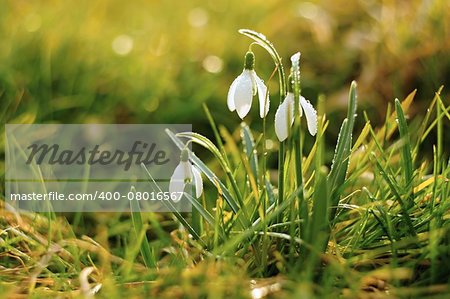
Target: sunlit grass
point(388, 232)
point(372, 221)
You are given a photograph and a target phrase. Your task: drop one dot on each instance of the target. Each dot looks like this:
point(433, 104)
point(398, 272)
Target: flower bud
point(249, 63)
point(184, 157)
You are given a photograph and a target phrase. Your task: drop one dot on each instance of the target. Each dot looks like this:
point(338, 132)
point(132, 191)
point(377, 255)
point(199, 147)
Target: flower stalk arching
point(268, 46)
point(261, 40)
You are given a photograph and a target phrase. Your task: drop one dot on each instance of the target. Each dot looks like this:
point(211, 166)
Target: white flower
point(244, 87)
point(295, 58)
point(284, 117)
point(185, 173)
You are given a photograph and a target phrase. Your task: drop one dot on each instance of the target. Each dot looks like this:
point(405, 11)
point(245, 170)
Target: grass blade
point(341, 159)
point(392, 185)
point(138, 225)
point(250, 150)
point(174, 211)
point(406, 157)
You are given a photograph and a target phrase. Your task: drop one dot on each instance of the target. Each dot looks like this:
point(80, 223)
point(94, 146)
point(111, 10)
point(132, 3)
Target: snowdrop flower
point(284, 117)
point(185, 173)
point(244, 87)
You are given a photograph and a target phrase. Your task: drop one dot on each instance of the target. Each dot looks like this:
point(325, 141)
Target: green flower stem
point(298, 149)
point(302, 204)
point(267, 45)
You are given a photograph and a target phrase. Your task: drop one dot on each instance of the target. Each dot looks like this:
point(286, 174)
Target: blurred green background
point(158, 61)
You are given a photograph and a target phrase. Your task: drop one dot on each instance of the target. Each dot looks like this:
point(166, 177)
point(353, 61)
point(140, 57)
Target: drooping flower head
point(185, 173)
point(284, 117)
point(244, 87)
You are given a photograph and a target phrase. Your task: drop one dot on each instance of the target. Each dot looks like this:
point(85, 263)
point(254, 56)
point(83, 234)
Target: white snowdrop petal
point(243, 94)
point(295, 57)
point(311, 115)
point(198, 182)
point(263, 96)
point(231, 92)
point(176, 185)
point(290, 103)
point(300, 110)
point(281, 129)
point(284, 111)
point(187, 166)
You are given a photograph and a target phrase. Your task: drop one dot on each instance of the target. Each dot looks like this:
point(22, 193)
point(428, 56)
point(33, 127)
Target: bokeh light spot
point(308, 10)
point(152, 105)
point(198, 17)
point(122, 45)
point(269, 144)
point(213, 64)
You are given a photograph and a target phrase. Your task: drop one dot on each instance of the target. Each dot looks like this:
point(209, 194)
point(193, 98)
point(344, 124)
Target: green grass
point(360, 210)
point(389, 234)
point(378, 223)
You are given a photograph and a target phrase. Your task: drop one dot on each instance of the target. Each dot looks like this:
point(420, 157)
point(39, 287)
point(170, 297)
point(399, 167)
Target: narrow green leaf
point(215, 130)
point(274, 213)
point(139, 227)
point(341, 158)
point(407, 163)
point(320, 210)
point(205, 214)
point(393, 186)
point(250, 150)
